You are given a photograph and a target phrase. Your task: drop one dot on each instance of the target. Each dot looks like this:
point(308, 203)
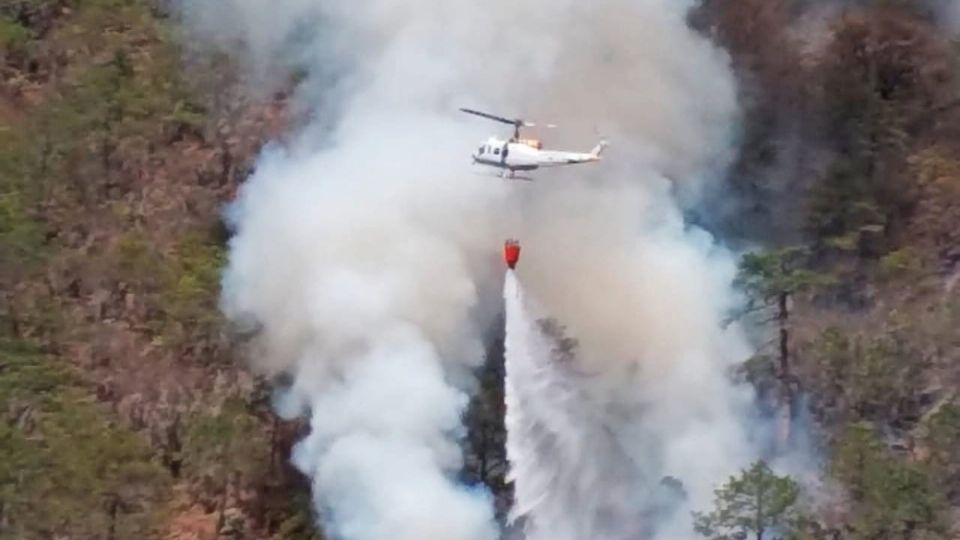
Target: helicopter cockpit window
point(496, 151)
point(480, 152)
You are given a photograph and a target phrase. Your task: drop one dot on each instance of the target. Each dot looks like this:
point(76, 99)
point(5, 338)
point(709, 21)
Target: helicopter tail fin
point(598, 149)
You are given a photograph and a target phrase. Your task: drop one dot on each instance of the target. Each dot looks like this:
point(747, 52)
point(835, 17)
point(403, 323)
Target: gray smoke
point(948, 14)
point(367, 250)
point(572, 479)
point(651, 411)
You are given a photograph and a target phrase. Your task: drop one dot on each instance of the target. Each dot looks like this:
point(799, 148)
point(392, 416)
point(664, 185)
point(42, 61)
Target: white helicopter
point(517, 154)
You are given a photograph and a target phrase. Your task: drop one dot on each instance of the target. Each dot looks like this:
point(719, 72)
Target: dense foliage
point(756, 504)
point(855, 109)
point(124, 415)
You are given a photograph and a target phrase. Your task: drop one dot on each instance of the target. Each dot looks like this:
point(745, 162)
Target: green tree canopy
point(756, 503)
point(66, 467)
point(863, 377)
point(944, 444)
point(890, 497)
point(766, 275)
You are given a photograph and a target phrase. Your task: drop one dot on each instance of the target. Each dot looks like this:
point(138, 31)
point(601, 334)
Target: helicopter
point(520, 154)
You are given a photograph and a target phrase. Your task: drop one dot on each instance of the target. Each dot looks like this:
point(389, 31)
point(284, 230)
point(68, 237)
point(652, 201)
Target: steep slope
point(126, 416)
point(856, 292)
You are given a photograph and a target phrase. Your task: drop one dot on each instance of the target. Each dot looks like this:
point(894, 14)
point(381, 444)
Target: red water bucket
point(511, 253)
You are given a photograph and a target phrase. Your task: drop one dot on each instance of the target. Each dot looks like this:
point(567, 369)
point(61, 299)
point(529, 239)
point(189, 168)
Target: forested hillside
point(849, 176)
point(127, 412)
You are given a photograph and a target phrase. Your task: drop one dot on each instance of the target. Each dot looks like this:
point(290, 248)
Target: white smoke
point(635, 435)
point(367, 252)
point(367, 303)
point(572, 478)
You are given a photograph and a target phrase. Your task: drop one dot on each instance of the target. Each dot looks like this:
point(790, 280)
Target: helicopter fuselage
point(527, 155)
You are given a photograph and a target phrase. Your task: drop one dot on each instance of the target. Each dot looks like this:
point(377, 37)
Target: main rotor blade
point(492, 117)
point(534, 124)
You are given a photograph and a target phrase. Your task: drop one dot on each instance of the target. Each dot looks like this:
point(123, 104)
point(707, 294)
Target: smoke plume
point(621, 438)
point(366, 252)
point(572, 478)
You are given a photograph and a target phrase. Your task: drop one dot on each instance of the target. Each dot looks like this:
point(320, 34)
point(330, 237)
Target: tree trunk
point(45, 151)
point(112, 511)
point(174, 448)
point(265, 480)
point(785, 412)
point(106, 150)
point(759, 515)
point(226, 164)
point(274, 444)
point(872, 125)
point(222, 505)
point(484, 448)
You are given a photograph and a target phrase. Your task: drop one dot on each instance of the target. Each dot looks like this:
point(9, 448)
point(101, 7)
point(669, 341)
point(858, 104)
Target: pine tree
point(225, 448)
point(757, 504)
point(862, 377)
point(890, 497)
point(944, 445)
point(771, 280)
point(67, 467)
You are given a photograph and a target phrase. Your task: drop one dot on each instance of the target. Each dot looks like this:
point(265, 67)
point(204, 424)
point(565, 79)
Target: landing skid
point(505, 177)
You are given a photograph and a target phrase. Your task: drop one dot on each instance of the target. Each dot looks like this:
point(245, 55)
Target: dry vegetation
point(125, 414)
point(854, 116)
